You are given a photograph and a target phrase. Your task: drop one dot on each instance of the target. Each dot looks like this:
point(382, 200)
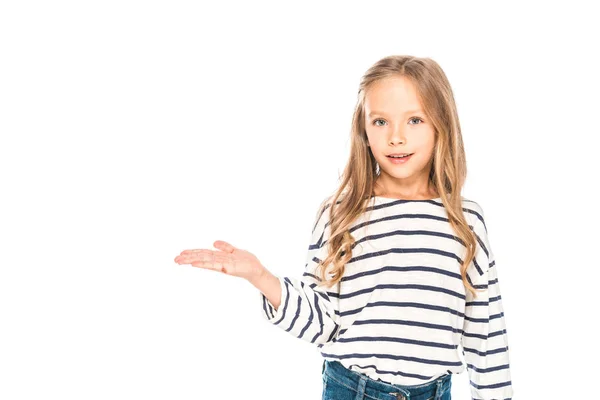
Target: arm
point(484, 339)
point(297, 305)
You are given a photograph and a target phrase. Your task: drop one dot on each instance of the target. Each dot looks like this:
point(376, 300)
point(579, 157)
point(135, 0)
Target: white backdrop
point(132, 130)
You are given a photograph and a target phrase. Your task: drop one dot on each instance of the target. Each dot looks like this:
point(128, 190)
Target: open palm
point(227, 259)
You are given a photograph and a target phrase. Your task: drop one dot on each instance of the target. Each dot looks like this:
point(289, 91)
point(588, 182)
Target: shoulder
point(322, 214)
point(484, 258)
point(325, 204)
point(324, 207)
point(473, 212)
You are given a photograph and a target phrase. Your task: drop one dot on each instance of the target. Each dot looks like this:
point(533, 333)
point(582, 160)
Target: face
point(395, 123)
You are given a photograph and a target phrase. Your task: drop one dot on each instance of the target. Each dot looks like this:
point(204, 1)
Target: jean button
point(399, 396)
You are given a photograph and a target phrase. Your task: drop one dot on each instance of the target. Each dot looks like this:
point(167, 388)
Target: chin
point(401, 175)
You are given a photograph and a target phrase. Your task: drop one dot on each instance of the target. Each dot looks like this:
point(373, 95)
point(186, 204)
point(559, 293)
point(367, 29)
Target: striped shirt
point(401, 309)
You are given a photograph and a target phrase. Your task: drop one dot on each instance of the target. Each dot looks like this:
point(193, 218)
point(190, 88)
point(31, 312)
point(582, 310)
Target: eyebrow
point(374, 112)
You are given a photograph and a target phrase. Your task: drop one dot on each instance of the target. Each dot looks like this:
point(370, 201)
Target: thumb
point(224, 246)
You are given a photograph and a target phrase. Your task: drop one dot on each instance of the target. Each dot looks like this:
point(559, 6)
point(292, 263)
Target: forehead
point(393, 95)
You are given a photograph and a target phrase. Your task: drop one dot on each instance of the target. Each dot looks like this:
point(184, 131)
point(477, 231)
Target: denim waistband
point(354, 379)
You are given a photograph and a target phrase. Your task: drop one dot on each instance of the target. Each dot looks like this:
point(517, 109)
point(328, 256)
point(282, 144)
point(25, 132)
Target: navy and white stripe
point(401, 313)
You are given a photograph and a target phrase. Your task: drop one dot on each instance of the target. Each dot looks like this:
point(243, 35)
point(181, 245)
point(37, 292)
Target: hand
point(227, 259)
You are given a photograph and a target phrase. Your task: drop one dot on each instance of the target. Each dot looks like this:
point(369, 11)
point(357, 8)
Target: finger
point(217, 261)
point(207, 265)
point(204, 259)
point(209, 259)
point(211, 256)
point(191, 251)
point(191, 255)
point(188, 253)
point(224, 246)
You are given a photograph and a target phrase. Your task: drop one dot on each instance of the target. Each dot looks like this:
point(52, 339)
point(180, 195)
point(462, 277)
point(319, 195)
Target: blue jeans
point(340, 383)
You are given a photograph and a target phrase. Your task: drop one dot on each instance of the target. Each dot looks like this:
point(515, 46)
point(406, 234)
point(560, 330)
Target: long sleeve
point(484, 339)
point(309, 312)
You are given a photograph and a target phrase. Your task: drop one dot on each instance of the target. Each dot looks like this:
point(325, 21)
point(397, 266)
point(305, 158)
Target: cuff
point(268, 310)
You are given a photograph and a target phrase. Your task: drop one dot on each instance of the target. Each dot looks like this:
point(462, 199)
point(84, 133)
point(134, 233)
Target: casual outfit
point(400, 318)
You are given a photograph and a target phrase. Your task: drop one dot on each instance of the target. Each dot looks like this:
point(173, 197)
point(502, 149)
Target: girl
point(399, 270)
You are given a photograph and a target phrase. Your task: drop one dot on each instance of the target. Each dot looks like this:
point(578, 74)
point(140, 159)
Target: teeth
point(400, 156)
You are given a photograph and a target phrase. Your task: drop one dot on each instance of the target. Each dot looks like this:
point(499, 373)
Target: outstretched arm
point(298, 305)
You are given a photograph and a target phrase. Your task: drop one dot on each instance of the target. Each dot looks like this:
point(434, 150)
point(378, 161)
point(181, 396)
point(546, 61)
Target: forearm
point(269, 285)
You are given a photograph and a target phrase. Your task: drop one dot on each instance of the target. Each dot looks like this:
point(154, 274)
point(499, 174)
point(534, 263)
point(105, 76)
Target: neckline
point(382, 198)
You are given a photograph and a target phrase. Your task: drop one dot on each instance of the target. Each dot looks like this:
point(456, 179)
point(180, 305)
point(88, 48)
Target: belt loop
point(323, 370)
point(438, 389)
point(360, 390)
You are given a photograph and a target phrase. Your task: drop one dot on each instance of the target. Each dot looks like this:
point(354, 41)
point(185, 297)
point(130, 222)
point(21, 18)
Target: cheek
point(425, 143)
point(377, 149)
point(376, 140)
point(373, 144)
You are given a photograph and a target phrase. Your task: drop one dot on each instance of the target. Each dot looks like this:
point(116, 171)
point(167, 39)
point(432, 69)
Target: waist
point(335, 370)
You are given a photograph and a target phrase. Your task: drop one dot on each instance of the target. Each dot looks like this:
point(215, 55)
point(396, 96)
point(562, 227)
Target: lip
point(398, 154)
point(400, 160)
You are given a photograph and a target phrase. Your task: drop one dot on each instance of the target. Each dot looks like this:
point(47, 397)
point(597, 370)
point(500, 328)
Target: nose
point(397, 136)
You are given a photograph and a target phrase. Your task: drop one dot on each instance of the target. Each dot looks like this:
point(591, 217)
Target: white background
point(131, 131)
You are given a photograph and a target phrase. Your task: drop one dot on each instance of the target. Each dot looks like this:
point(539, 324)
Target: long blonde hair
point(447, 176)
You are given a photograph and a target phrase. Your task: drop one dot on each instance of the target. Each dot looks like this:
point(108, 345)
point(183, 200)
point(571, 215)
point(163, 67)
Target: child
point(410, 273)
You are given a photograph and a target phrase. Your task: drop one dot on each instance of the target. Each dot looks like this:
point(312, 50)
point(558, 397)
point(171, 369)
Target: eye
point(412, 118)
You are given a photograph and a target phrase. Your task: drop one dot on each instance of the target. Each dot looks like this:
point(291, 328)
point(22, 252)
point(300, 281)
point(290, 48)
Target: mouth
point(397, 159)
point(400, 155)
